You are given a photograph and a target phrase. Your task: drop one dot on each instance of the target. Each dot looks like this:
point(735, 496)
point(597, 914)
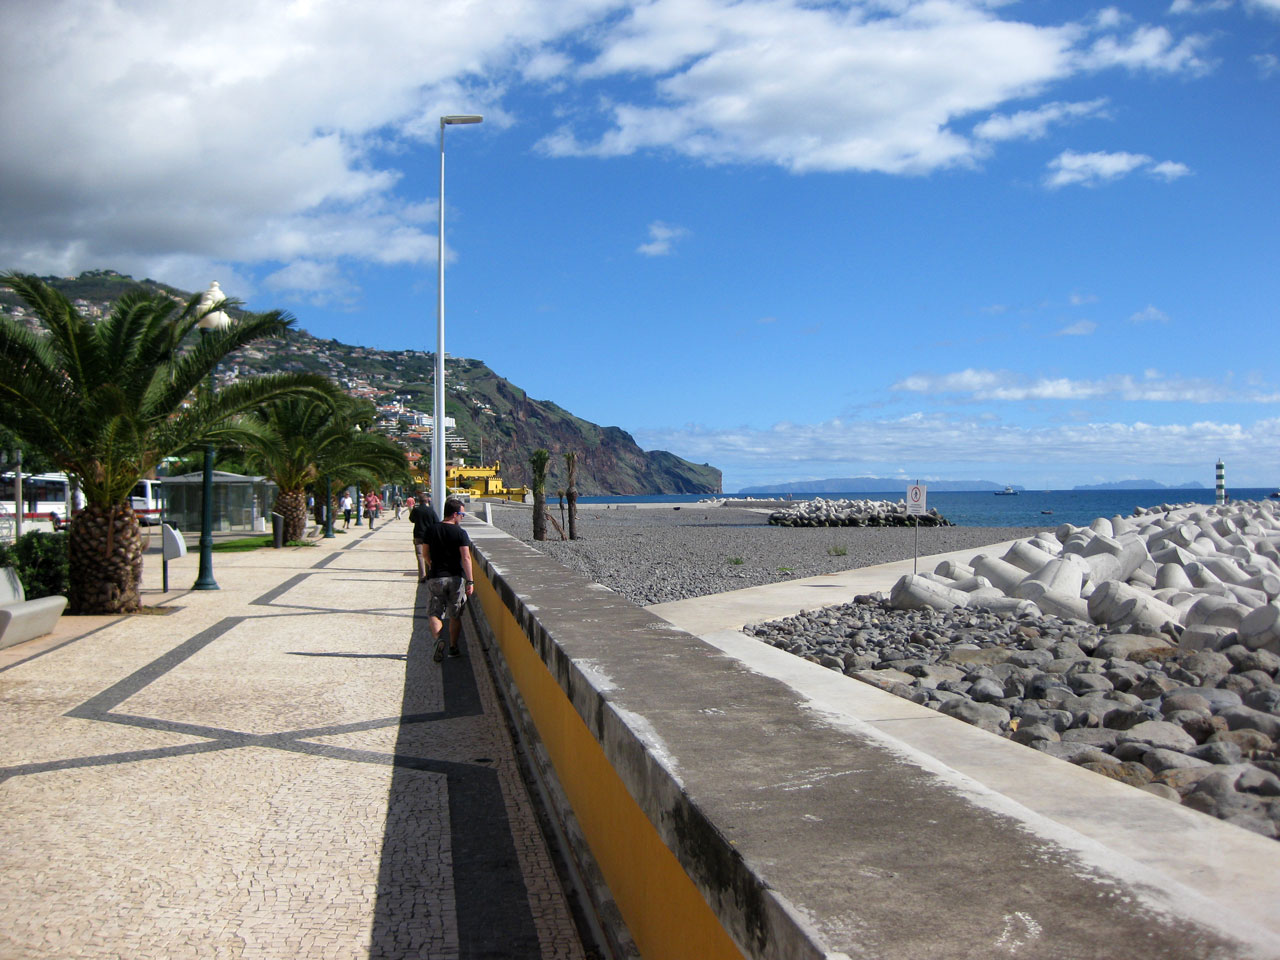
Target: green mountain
point(495, 418)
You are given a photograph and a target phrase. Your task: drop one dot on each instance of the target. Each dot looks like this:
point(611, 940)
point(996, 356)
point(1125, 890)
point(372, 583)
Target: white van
point(145, 500)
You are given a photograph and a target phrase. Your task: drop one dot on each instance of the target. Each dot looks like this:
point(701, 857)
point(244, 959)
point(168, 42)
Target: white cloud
point(1080, 299)
point(1169, 170)
point(234, 131)
point(241, 132)
point(661, 237)
point(1091, 169)
point(1008, 387)
point(1149, 314)
point(818, 87)
point(955, 444)
point(1148, 48)
point(1182, 7)
point(318, 282)
point(1034, 124)
point(1081, 328)
point(1268, 64)
point(1266, 6)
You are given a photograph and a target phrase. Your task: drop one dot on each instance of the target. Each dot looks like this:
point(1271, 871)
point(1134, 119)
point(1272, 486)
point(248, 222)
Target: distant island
point(1141, 485)
point(875, 485)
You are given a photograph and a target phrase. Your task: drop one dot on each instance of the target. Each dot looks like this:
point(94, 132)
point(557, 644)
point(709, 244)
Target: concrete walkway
point(276, 769)
point(735, 609)
point(1207, 871)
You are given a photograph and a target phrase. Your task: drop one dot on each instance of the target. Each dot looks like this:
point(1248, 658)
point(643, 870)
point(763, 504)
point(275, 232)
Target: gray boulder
point(986, 716)
point(1159, 734)
point(1243, 717)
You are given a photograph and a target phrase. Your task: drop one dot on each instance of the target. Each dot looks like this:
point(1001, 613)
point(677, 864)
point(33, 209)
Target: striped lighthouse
point(1220, 496)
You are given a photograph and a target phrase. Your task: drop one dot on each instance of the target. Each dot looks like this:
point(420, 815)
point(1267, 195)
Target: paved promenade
point(276, 770)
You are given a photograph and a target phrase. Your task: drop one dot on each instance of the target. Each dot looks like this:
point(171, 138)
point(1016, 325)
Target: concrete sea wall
point(726, 799)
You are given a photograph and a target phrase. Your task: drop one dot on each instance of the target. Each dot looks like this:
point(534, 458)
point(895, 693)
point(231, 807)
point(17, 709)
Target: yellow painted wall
point(664, 912)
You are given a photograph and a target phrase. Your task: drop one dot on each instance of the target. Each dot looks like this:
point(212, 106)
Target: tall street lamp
point(212, 318)
point(438, 491)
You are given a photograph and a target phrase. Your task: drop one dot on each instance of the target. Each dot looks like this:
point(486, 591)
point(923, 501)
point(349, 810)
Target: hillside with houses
point(487, 417)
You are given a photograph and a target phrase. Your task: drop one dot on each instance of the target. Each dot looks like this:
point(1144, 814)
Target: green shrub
point(41, 561)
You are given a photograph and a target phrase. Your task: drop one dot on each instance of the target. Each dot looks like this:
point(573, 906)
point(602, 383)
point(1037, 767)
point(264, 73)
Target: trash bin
point(277, 530)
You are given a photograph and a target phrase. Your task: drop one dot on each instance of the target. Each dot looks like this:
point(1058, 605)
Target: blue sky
point(1027, 242)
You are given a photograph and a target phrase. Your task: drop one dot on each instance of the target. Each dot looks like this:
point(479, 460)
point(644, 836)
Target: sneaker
point(439, 654)
point(455, 652)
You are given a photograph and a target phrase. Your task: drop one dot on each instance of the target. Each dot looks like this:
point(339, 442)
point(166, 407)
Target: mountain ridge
point(497, 419)
point(873, 485)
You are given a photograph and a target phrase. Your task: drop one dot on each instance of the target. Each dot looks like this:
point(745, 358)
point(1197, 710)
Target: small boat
point(1007, 492)
point(1274, 496)
point(1047, 512)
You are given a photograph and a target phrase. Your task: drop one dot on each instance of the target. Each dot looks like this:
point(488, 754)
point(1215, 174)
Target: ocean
point(1031, 508)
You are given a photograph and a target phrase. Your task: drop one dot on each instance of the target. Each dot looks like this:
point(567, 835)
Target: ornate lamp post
point(438, 450)
point(212, 318)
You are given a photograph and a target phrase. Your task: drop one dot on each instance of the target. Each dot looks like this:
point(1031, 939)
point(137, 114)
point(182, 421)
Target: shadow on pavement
point(493, 916)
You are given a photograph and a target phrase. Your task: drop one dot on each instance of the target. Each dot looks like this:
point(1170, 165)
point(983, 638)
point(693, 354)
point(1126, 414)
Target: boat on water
point(1007, 492)
point(1274, 496)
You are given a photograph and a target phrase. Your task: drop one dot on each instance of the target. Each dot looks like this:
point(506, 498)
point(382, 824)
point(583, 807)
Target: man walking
point(449, 582)
point(423, 516)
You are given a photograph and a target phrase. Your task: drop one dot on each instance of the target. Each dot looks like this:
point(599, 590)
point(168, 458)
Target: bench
point(22, 619)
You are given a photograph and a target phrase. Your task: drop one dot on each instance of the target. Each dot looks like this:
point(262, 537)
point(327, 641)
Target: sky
point(1028, 242)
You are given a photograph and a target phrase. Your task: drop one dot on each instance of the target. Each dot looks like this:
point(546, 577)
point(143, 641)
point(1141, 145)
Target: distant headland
point(896, 485)
point(1141, 485)
point(899, 485)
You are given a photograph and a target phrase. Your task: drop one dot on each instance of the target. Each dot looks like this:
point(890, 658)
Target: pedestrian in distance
point(347, 506)
point(449, 582)
point(423, 516)
point(371, 503)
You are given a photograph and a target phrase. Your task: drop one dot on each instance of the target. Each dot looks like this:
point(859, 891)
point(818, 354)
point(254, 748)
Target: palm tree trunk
point(106, 560)
point(293, 507)
point(539, 514)
point(571, 489)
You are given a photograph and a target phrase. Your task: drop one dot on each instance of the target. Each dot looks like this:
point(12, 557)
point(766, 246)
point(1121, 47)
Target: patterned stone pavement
point(277, 770)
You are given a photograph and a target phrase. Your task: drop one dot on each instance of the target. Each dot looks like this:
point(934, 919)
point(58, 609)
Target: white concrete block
point(916, 593)
point(1172, 575)
point(1005, 576)
point(1261, 628)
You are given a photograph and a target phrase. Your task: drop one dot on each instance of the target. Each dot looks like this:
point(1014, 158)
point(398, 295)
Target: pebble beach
point(658, 554)
point(1188, 711)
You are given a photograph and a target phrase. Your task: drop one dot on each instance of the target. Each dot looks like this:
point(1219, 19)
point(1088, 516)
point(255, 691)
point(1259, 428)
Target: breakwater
point(1144, 648)
point(853, 513)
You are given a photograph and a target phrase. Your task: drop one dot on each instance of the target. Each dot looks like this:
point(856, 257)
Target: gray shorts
point(448, 597)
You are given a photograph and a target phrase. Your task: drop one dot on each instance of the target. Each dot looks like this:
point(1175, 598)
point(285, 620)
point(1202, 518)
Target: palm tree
point(571, 489)
point(538, 461)
point(107, 400)
point(303, 439)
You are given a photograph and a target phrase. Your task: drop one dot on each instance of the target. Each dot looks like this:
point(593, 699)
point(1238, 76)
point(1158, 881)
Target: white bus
point(43, 495)
point(47, 494)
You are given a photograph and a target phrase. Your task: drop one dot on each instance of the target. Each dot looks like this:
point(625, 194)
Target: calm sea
point(1032, 508)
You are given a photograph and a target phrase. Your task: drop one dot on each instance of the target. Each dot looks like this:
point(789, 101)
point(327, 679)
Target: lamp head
point(213, 318)
point(461, 118)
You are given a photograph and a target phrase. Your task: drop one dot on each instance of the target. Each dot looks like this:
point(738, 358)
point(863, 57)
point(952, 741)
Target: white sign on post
point(916, 500)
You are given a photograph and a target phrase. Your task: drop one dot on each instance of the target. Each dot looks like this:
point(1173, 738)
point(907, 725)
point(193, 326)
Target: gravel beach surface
point(655, 555)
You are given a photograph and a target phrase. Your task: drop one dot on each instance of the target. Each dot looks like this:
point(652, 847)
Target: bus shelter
point(240, 503)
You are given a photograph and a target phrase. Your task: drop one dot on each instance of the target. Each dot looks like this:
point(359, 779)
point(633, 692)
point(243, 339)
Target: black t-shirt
point(423, 516)
point(444, 541)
